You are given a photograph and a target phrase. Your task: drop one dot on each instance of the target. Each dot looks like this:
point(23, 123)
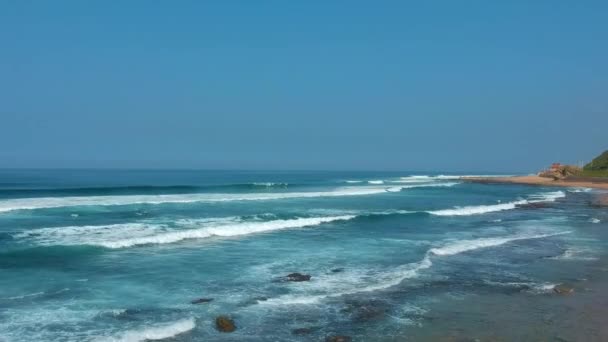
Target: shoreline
point(540, 181)
point(601, 198)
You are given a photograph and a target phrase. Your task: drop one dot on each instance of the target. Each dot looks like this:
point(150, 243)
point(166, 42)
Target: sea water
point(101, 255)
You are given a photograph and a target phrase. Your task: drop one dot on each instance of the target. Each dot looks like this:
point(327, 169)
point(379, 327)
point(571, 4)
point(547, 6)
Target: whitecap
point(580, 190)
point(482, 209)
point(134, 234)
point(154, 333)
point(56, 202)
point(476, 210)
point(462, 246)
point(384, 280)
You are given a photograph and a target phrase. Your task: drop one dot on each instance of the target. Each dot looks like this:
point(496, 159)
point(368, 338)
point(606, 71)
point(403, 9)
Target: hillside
point(598, 167)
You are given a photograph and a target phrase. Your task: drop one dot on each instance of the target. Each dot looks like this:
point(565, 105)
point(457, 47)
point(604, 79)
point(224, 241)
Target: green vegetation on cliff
point(598, 167)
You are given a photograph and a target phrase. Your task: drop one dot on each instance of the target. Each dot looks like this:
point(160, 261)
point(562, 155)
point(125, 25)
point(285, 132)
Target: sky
point(319, 85)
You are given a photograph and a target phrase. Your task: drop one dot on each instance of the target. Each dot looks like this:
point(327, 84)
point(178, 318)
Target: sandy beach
point(542, 181)
point(600, 200)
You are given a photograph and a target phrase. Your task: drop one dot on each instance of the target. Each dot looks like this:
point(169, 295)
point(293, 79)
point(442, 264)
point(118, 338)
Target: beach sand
point(542, 181)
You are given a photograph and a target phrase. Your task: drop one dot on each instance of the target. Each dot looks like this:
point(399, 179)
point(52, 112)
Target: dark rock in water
point(302, 331)
point(563, 289)
point(297, 277)
point(225, 324)
point(337, 270)
point(338, 338)
point(363, 311)
point(201, 300)
point(534, 205)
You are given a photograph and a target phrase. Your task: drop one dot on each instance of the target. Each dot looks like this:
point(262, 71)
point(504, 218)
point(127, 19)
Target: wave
point(398, 275)
point(476, 210)
point(36, 294)
point(56, 202)
point(73, 201)
point(594, 220)
point(482, 209)
point(462, 246)
point(546, 196)
point(270, 185)
point(376, 182)
point(580, 190)
point(154, 333)
point(538, 288)
point(429, 178)
point(575, 254)
point(113, 236)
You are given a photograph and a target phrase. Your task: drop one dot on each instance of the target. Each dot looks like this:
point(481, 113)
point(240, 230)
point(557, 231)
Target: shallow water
point(119, 256)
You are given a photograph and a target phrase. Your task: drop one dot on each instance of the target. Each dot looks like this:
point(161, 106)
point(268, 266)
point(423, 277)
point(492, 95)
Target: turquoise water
point(120, 255)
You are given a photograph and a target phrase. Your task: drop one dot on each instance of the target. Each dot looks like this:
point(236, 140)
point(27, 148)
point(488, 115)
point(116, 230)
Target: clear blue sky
point(377, 85)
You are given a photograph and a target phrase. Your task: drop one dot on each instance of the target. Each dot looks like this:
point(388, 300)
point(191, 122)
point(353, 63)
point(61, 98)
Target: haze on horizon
point(364, 85)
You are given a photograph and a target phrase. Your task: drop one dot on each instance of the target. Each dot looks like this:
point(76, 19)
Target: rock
point(297, 277)
point(302, 331)
point(563, 289)
point(533, 205)
point(363, 311)
point(338, 338)
point(201, 300)
point(225, 324)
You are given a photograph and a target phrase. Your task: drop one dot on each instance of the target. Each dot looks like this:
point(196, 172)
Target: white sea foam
point(425, 185)
point(428, 178)
point(594, 220)
point(546, 196)
point(270, 184)
point(580, 190)
point(353, 181)
point(397, 275)
point(476, 210)
point(25, 296)
point(55, 202)
point(531, 286)
point(575, 254)
point(462, 246)
point(376, 182)
point(134, 234)
point(154, 333)
point(482, 209)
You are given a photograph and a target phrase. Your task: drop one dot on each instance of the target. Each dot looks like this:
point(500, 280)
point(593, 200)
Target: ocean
point(120, 255)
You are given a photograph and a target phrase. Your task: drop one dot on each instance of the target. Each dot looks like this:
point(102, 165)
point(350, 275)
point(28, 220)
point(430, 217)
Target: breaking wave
point(135, 234)
point(154, 333)
point(482, 209)
point(59, 202)
point(395, 277)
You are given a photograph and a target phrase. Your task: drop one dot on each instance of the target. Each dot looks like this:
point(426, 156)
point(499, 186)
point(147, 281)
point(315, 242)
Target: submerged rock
point(338, 338)
point(302, 331)
point(225, 324)
point(534, 205)
point(337, 270)
point(363, 311)
point(297, 277)
point(563, 289)
point(201, 300)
